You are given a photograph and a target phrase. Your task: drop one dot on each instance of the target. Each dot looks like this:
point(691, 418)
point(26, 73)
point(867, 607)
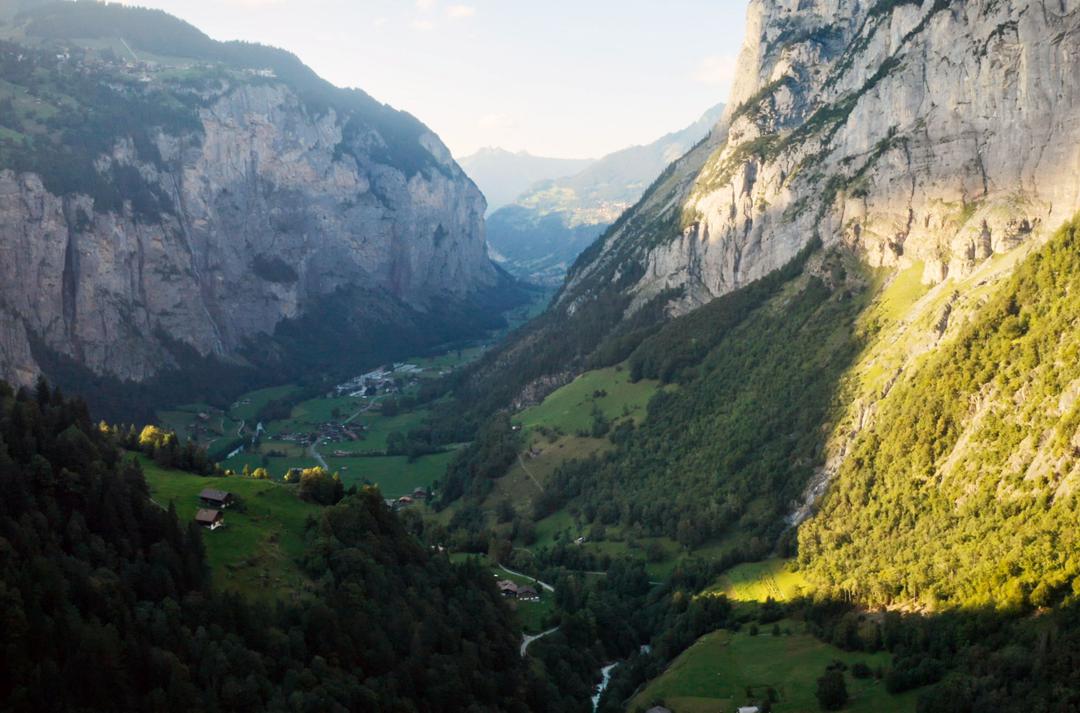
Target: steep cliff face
point(267, 205)
point(941, 132)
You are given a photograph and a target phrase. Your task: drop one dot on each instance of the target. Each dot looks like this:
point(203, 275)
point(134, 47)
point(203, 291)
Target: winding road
point(527, 639)
point(545, 585)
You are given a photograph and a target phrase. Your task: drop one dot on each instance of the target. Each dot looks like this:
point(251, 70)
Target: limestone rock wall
point(273, 206)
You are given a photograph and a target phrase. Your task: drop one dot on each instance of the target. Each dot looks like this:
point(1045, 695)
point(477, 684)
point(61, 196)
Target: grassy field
point(378, 428)
point(757, 581)
point(716, 673)
point(322, 410)
point(256, 552)
point(570, 408)
point(523, 482)
point(249, 405)
point(905, 290)
point(394, 475)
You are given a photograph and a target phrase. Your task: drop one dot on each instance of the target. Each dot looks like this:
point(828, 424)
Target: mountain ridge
point(543, 231)
point(502, 175)
point(199, 198)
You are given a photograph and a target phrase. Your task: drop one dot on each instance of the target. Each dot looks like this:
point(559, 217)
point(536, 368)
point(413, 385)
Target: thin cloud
point(424, 5)
point(716, 69)
point(423, 25)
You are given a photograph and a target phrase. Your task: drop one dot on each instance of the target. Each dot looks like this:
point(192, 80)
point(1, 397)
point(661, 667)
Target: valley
point(779, 413)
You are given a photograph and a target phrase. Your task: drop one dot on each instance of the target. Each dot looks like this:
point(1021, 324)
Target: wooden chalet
point(215, 498)
point(210, 519)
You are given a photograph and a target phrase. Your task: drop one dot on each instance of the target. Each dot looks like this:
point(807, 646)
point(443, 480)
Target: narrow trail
point(529, 639)
point(529, 473)
point(240, 430)
point(367, 407)
point(318, 457)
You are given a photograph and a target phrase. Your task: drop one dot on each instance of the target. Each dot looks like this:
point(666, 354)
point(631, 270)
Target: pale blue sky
point(573, 78)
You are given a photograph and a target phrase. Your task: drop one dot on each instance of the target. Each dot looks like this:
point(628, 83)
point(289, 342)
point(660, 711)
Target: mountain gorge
point(168, 200)
point(817, 278)
point(503, 175)
point(799, 430)
point(538, 236)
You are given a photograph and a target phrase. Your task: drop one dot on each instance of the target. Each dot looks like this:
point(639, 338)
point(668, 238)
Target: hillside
point(856, 293)
point(107, 603)
point(181, 215)
point(538, 236)
point(504, 175)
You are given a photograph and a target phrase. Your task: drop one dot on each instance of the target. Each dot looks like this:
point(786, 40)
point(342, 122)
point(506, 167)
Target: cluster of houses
point(211, 515)
point(418, 495)
point(521, 592)
point(329, 432)
point(384, 380)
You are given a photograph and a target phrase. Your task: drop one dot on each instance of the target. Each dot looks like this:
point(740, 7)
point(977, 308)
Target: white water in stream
point(606, 673)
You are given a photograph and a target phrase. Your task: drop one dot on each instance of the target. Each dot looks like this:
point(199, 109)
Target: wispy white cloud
point(422, 25)
point(716, 69)
point(425, 5)
point(460, 12)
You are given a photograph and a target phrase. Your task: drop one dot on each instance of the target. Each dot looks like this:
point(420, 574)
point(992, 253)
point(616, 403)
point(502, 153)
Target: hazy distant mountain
point(546, 227)
point(503, 175)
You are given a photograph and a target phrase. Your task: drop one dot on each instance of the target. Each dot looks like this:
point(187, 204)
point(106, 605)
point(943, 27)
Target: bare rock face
point(273, 206)
point(939, 132)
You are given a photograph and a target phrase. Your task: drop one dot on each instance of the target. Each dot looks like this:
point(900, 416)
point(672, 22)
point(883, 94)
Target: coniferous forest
point(107, 603)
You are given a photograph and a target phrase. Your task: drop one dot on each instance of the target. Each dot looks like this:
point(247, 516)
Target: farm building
point(658, 709)
point(210, 519)
point(507, 588)
point(527, 593)
point(405, 500)
point(215, 498)
point(419, 494)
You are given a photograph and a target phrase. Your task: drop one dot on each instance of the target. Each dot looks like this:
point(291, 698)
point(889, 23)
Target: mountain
point(503, 175)
point(538, 236)
point(172, 205)
point(858, 287)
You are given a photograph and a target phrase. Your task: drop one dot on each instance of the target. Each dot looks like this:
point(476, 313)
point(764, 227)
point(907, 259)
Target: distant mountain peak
point(546, 226)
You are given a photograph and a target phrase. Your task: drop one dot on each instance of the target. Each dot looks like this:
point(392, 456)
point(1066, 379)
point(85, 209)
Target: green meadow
point(570, 409)
point(257, 551)
point(758, 581)
point(724, 670)
point(394, 475)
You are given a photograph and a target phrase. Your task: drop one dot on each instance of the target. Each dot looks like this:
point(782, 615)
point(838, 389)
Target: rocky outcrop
point(936, 132)
point(271, 207)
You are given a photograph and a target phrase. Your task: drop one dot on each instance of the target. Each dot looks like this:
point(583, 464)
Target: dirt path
point(527, 639)
point(543, 585)
point(529, 473)
point(318, 457)
point(370, 405)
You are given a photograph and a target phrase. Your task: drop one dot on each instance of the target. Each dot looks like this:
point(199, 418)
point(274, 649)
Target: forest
point(107, 602)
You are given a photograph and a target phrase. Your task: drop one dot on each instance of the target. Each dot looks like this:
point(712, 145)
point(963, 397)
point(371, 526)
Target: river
point(604, 681)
